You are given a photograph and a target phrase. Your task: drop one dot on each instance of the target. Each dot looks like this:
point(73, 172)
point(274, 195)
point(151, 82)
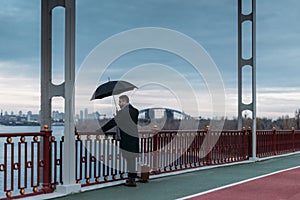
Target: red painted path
point(279, 186)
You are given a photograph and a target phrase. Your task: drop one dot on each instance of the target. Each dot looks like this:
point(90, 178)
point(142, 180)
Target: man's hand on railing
point(100, 131)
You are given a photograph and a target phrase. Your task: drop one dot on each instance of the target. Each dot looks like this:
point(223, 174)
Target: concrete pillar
point(66, 89)
point(46, 64)
point(254, 79)
point(242, 63)
point(69, 179)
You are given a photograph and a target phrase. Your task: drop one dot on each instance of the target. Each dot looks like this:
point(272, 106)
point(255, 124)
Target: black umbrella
point(112, 88)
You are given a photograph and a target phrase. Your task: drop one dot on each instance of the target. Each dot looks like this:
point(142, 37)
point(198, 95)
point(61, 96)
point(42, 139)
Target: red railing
point(22, 163)
point(26, 169)
point(98, 158)
point(275, 142)
point(179, 150)
point(56, 160)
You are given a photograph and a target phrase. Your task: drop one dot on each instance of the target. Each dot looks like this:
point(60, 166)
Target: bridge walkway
point(182, 185)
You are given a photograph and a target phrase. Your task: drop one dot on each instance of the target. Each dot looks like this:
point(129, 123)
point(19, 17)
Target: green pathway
point(173, 187)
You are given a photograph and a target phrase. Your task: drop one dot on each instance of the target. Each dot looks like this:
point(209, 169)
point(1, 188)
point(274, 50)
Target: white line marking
point(237, 183)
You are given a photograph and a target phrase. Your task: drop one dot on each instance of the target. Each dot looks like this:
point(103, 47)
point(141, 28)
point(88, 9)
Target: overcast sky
point(212, 23)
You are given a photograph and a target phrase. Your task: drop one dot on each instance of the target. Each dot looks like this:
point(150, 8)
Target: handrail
point(21, 134)
point(98, 159)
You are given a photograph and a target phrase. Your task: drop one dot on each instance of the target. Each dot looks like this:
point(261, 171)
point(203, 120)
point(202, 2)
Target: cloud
point(212, 23)
point(272, 102)
point(278, 43)
point(21, 91)
point(19, 88)
point(274, 105)
point(155, 88)
point(20, 30)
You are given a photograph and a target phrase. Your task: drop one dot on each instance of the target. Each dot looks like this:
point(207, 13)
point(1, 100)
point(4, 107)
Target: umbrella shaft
point(115, 103)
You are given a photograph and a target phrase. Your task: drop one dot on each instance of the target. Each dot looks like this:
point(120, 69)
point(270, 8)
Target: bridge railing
point(99, 160)
point(275, 142)
point(24, 166)
point(27, 169)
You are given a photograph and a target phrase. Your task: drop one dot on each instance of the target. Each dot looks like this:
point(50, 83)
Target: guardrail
point(27, 169)
point(24, 166)
point(270, 143)
point(98, 158)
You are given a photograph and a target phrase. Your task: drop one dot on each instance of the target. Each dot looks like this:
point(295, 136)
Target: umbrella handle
point(115, 103)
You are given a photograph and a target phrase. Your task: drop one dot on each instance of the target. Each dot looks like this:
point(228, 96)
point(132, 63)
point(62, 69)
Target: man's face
point(122, 103)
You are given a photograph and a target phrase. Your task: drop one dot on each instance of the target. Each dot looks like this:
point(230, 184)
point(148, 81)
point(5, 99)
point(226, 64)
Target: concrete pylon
point(242, 62)
point(66, 89)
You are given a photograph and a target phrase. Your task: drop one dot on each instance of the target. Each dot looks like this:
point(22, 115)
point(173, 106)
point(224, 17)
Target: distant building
point(57, 116)
point(81, 115)
point(35, 117)
point(86, 113)
point(29, 114)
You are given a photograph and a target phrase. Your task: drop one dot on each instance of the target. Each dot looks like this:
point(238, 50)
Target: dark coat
point(126, 120)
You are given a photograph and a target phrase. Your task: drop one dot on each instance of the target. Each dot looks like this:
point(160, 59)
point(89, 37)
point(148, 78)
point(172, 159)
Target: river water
point(57, 130)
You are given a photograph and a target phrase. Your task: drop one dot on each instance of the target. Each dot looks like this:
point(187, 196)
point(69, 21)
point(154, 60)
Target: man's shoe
point(129, 180)
point(130, 183)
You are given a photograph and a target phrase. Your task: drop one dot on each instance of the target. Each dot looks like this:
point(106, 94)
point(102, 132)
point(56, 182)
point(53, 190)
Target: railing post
point(249, 130)
point(293, 138)
point(274, 141)
point(244, 143)
point(46, 134)
point(155, 149)
point(208, 155)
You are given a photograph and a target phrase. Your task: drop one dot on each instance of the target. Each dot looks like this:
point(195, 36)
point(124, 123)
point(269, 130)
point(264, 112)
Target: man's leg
point(131, 165)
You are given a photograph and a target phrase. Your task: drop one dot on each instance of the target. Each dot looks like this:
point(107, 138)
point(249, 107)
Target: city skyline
point(34, 119)
point(55, 114)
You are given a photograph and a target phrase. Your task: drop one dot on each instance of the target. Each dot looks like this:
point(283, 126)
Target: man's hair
point(125, 97)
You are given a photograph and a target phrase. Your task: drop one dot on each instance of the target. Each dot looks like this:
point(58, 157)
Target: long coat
point(126, 120)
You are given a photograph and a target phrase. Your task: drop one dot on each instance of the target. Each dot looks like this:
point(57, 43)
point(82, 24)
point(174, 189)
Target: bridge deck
point(178, 186)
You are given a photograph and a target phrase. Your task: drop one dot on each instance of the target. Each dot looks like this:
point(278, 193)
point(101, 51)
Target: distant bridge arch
point(160, 112)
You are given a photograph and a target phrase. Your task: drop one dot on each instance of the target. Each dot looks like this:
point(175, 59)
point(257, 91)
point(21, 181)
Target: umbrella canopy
point(112, 88)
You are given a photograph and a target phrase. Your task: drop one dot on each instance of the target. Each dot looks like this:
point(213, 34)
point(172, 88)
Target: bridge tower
point(65, 90)
point(243, 62)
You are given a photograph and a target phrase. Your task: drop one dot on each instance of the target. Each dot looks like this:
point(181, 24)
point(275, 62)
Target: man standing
point(126, 121)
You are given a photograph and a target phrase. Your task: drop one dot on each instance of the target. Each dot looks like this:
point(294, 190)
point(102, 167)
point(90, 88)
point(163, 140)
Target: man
point(127, 133)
